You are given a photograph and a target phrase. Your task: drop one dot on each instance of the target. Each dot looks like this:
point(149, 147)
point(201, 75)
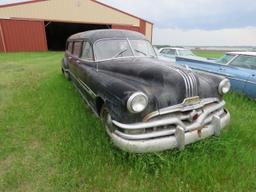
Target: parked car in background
point(172, 52)
point(239, 67)
point(145, 104)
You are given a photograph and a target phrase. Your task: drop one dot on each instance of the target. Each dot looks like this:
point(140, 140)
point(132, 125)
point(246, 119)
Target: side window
point(172, 52)
point(164, 51)
point(77, 48)
point(87, 51)
point(245, 61)
point(70, 46)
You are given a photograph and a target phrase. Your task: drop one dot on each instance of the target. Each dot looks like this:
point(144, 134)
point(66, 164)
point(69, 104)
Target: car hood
point(165, 83)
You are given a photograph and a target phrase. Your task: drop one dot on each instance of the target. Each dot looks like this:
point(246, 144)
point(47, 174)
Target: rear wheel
point(106, 119)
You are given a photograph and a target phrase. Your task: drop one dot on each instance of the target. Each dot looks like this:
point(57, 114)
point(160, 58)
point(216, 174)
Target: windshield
point(185, 53)
point(117, 48)
point(225, 59)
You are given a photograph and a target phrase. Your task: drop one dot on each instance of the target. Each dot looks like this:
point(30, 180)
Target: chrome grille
point(165, 124)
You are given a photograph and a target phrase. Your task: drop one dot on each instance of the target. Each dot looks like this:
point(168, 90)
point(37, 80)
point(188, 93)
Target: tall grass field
point(51, 141)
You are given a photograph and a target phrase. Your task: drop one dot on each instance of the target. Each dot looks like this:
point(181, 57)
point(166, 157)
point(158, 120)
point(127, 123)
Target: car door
point(86, 72)
point(250, 87)
point(68, 52)
point(74, 59)
point(238, 73)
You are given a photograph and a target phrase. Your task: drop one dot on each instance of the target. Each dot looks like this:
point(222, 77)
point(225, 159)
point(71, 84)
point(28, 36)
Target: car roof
point(177, 48)
point(250, 53)
point(95, 35)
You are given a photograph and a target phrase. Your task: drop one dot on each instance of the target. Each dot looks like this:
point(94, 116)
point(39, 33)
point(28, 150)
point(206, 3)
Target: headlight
point(137, 102)
point(224, 86)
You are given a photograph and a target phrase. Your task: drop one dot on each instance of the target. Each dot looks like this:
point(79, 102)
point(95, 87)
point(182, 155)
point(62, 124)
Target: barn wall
point(126, 27)
point(83, 11)
point(20, 35)
point(149, 31)
point(2, 46)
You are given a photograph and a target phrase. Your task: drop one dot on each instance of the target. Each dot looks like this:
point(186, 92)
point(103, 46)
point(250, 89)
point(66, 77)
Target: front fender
point(115, 92)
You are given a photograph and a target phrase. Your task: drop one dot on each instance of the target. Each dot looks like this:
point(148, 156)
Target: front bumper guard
point(182, 135)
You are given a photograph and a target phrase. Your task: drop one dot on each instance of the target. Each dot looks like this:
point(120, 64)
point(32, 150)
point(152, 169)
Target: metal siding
point(126, 27)
point(142, 27)
point(149, 31)
point(85, 11)
point(2, 48)
point(23, 35)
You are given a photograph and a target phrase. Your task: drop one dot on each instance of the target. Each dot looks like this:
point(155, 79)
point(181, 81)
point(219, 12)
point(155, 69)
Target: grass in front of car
point(51, 141)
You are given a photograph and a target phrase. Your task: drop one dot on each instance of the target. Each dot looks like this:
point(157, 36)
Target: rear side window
point(168, 51)
point(171, 52)
point(164, 51)
point(87, 51)
point(245, 61)
point(77, 48)
point(70, 46)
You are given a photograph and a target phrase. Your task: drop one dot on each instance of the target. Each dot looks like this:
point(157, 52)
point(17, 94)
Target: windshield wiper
point(119, 53)
point(140, 52)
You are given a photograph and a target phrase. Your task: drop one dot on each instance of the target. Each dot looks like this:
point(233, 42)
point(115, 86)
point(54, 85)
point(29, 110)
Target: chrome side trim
point(190, 82)
point(185, 81)
point(85, 99)
point(83, 85)
point(179, 107)
point(195, 83)
point(189, 93)
point(251, 82)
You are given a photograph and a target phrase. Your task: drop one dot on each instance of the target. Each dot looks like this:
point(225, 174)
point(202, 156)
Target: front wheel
point(106, 119)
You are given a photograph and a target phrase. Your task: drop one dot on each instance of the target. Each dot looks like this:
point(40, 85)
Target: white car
point(172, 52)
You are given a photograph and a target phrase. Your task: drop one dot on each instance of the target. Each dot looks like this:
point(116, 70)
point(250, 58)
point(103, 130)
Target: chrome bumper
point(207, 124)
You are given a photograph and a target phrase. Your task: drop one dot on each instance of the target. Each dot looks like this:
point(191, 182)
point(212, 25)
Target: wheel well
point(99, 103)
point(65, 63)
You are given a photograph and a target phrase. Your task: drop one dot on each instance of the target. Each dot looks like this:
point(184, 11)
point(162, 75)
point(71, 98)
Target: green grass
point(209, 54)
point(51, 141)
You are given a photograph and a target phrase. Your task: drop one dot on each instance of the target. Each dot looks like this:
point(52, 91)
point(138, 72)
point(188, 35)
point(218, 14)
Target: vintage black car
point(145, 104)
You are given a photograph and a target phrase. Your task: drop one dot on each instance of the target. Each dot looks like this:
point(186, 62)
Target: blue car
point(238, 67)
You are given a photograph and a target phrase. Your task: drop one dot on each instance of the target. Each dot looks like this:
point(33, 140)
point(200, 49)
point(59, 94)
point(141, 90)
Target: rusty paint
point(198, 129)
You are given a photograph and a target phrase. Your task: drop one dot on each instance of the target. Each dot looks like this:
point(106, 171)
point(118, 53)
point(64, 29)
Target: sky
point(194, 22)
